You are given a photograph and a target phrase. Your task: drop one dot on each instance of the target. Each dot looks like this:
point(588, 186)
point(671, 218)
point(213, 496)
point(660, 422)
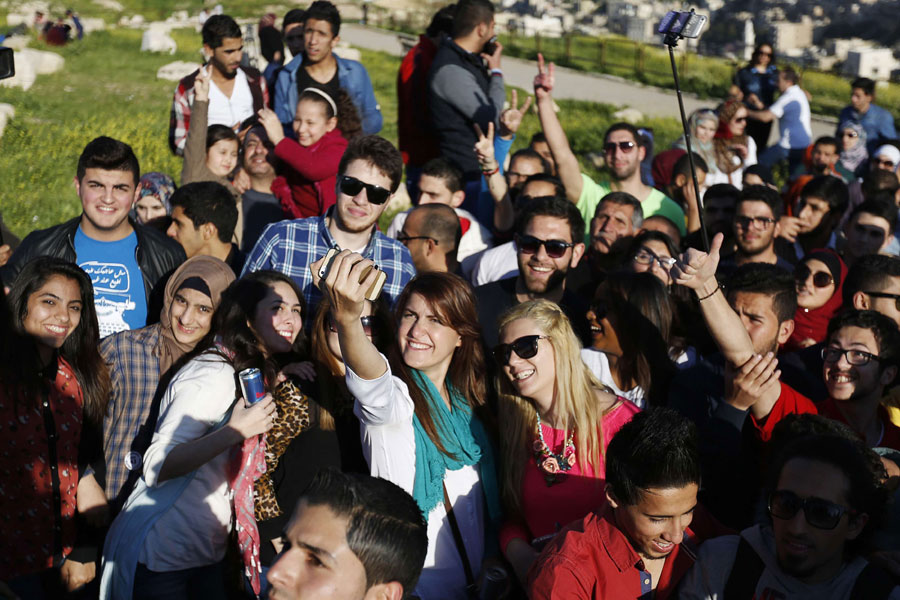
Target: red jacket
point(592, 558)
point(790, 402)
point(308, 187)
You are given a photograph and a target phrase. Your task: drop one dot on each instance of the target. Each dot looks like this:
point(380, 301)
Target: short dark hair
point(295, 15)
point(865, 84)
point(761, 171)
point(722, 190)
point(441, 22)
point(762, 193)
point(552, 207)
point(683, 166)
point(217, 28)
point(529, 154)
point(385, 527)
point(323, 10)
point(827, 140)
point(880, 207)
point(829, 188)
point(537, 138)
point(208, 202)
point(108, 154)
point(871, 273)
point(883, 328)
point(469, 15)
point(378, 152)
point(558, 189)
point(625, 199)
point(770, 280)
point(440, 222)
point(880, 181)
point(623, 126)
point(217, 133)
point(443, 169)
point(790, 74)
point(865, 492)
point(658, 448)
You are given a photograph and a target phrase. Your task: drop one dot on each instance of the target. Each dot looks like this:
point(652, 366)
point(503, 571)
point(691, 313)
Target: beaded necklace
point(551, 464)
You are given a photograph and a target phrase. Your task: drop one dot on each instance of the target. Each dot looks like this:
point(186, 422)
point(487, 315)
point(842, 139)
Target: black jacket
point(157, 255)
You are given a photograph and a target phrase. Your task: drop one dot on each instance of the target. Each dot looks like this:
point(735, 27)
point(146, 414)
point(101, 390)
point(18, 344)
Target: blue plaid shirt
point(291, 246)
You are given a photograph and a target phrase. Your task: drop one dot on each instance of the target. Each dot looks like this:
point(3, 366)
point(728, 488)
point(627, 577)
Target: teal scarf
point(464, 437)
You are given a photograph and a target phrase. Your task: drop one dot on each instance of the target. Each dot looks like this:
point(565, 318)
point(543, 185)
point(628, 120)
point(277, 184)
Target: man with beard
point(258, 204)
point(755, 229)
point(816, 215)
point(623, 150)
point(825, 498)
point(236, 93)
point(319, 67)
point(368, 176)
point(548, 243)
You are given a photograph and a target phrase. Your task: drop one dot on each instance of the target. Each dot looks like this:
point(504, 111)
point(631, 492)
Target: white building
point(874, 63)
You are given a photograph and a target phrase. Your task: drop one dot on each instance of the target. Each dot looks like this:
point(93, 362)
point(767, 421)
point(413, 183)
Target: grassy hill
point(109, 87)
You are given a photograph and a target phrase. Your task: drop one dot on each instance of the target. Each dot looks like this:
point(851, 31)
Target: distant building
point(874, 63)
point(789, 36)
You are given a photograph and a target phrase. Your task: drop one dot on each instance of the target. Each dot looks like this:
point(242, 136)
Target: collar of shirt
point(329, 239)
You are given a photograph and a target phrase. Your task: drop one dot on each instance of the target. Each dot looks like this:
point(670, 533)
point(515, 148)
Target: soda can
point(252, 385)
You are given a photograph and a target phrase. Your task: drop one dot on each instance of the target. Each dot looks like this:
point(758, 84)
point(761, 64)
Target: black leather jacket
point(157, 255)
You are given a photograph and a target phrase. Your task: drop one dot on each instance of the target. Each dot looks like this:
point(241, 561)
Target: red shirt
point(37, 493)
point(592, 558)
point(891, 437)
point(790, 402)
point(547, 509)
point(311, 175)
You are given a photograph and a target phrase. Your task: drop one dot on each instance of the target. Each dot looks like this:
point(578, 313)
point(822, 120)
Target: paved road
point(572, 84)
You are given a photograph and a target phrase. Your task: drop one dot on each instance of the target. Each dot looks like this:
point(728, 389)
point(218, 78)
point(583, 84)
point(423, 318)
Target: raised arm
point(566, 162)
point(195, 143)
point(697, 270)
point(484, 150)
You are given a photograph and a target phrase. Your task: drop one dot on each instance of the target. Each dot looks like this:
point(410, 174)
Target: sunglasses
point(740, 120)
point(896, 297)
point(821, 279)
point(819, 513)
point(525, 347)
point(598, 307)
point(352, 186)
point(367, 323)
point(857, 358)
point(884, 163)
point(852, 134)
point(624, 147)
point(645, 257)
point(528, 244)
point(405, 239)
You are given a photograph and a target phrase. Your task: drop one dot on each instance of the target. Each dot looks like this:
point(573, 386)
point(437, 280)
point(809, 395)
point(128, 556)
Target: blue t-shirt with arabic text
point(119, 295)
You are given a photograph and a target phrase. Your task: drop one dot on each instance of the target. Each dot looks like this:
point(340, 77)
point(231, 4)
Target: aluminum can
point(252, 385)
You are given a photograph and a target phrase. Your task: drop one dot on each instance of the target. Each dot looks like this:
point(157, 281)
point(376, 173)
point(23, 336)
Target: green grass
point(109, 87)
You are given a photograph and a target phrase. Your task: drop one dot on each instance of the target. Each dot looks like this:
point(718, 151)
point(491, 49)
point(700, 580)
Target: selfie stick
point(671, 40)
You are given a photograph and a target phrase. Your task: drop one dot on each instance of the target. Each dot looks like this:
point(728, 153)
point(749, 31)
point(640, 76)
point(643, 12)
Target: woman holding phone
point(418, 414)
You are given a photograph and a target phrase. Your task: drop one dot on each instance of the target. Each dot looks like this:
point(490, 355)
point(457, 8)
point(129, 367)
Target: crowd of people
point(533, 383)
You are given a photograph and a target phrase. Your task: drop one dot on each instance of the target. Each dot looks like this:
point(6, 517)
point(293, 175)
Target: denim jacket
point(353, 77)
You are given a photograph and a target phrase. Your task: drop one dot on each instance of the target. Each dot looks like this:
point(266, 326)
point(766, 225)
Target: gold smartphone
point(374, 290)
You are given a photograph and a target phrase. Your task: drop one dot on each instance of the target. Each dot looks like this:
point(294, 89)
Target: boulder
point(91, 24)
point(347, 53)
point(25, 73)
point(16, 42)
point(44, 62)
point(176, 70)
point(157, 40)
point(7, 112)
point(629, 115)
point(112, 5)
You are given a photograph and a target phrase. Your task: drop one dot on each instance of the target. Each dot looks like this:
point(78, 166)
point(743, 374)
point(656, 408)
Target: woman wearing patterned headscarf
point(853, 147)
point(704, 123)
point(153, 203)
point(734, 149)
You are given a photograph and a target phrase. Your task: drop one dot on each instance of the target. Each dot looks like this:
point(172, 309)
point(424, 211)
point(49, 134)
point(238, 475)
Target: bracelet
point(711, 294)
point(491, 172)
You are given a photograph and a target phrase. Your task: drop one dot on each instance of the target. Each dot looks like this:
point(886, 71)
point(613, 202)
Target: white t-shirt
point(496, 264)
point(230, 111)
point(385, 411)
point(792, 110)
point(194, 532)
point(474, 240)
point(597, 362)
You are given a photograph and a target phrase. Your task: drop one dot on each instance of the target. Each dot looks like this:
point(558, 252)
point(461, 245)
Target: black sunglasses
point(403, 239)
point(896, 297)
point(524, 347)
point(529, 244)
point(598, 307)
point(624, 147)
point(820, 278)
point(819, 513)
point(352, 186)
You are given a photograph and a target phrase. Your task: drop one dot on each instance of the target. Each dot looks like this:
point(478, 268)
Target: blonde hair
point(575, 397)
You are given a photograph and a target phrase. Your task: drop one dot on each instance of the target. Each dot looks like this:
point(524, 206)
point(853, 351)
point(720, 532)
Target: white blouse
point(385, 410)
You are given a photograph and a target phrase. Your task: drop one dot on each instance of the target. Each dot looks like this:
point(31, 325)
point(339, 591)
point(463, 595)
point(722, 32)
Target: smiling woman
point(52, 398)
